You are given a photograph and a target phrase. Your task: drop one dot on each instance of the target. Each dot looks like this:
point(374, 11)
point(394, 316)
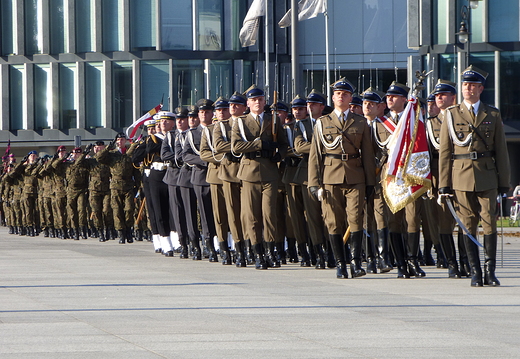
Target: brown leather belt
point(473, 155)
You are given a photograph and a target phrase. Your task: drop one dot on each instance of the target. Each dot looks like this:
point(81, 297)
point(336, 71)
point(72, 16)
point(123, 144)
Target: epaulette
point(493, 107)
point(453, 106)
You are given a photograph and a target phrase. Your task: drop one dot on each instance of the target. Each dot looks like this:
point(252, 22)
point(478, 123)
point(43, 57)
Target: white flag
point(307, 9)
point(249, 30)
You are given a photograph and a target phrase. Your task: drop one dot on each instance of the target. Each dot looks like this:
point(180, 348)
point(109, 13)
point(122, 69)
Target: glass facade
point(176, 26)
point(510, 84)
point(42, 97)
point(111, 17)
point(68, 105)
point(155, 80)
point(93, 95)
point(6, 27)
point(122, 101)
point(448, 67)
point(221, 80)
point(84, 12)
point(57, 26)
point(33, 31)
point(486, 62)
point(16, 90)
point(503, 18)
point(142, 23)
point(440, 21)
point(188, 78)
point(209, 26)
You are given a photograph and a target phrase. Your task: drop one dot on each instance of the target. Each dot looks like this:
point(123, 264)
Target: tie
point(472, 112)
point(342, 117)
point(259, 121)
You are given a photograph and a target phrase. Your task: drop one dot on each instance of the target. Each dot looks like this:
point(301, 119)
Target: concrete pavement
point(85, 299)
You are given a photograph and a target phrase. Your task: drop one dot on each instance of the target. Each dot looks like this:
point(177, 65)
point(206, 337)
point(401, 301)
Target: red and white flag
point(408, 174)
point(132, 129)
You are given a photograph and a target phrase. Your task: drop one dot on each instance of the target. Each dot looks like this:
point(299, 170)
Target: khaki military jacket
point(229, 165)
point(259, 169)
point(303, 132)
point(355, 141)
point(479, 174)
point(208, 154)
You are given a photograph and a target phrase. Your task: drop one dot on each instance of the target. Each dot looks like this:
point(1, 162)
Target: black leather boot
point(474, 262)
point(490, 255)
point(260, 262)
point(76, 234)
point(448, 248)
point(281, 255)
point(11, 230)
point(291, 250)
point(241, 259)
point(197, 253)
point(385, 264)
point(129, 235)
point(213, 256)
point(121, 236)
point(101, 234)
point(84, 232)
point(225, 254)
point(372, 254)
point(52, 232)
point(427, 253)
point(95, 233)
point(320, 257)
point(413, 252)
point(465, 269)
point(338, 248)
point(331, 262)
point(396, 242)
point(272, 259)
point(306, 259)
point(356, 243)
point(250, 252)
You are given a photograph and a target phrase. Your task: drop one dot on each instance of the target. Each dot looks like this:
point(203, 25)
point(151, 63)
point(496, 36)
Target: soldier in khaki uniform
point(474, 167)
point(228, 170)
point(254, 136)
point(342, 162)
point(208, 154)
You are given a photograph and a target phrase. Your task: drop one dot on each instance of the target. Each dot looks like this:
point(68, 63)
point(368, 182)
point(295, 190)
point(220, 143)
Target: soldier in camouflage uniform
point(59, 204)
point(47, 197)
point(122, 184)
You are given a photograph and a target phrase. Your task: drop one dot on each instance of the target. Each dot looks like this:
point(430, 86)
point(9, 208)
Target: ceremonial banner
point(132, 129)
point(249, 30)
point(307, 9)
point(408, 173)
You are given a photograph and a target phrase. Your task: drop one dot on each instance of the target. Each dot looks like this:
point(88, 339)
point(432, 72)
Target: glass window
point(68, 107)
point(510, 84)
point(237, 15)
point(6, 26)
point(84, 11)
point(176, 27)
point(477, 24)
point(122, 95)
point(188, 77)
point(440, 21)
point(448, 67)
point(42, 97)
point(486, 62)
point(221, 80)
point(209, 17)
point(16, 90)
point(93, 95)
point(155, 80)
point(111, 25)
point(142, 22)
point(249, 75)
point(503, 21)
point(57, 26)
point(33, 30)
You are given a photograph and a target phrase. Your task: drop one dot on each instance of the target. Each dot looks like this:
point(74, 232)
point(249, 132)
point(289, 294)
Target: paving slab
point(86, 299)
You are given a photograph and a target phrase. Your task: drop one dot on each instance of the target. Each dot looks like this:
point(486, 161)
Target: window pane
point(154, 85)
point(176, 25)
point(238, 13)
point(111, 26)
point(447, 67)
point(42, 97)
point(221, 79)
point(122, 97)
point(67, 96)
point(503, 20)
point(32, 27)
point(476, 29)
point(440, 21)
point(142, 16)
point(209, 16)
point(57, 25)
point(83, 26)
point(188, 76)
point(486, 62)
point(16, 74)
point(93, 98)
point(510, 81)
point(6, 26)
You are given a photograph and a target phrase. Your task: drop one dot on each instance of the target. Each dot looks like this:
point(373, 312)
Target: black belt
point(259, 154)
point(292, 161)
point(232, 158)
point(343, 156)
point(473, 155)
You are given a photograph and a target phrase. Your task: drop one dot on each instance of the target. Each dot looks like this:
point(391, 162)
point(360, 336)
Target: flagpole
point(327, 54)
point(294, 48)
point(266, 22)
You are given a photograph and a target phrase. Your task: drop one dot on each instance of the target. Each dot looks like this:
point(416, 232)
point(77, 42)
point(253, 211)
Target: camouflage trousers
point(101, 214)
point(123, 208)
point(77, 207)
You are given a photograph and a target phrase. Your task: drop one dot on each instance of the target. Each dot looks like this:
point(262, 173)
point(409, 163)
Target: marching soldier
point(199, 169)
point(263, 144)
point(228, 170)
point(60, 193)
point(474, 168)
point(208, 154)
point(341, 162)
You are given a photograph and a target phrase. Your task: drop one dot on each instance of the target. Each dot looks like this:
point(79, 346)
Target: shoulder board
point(449, 108)
point(493, 107)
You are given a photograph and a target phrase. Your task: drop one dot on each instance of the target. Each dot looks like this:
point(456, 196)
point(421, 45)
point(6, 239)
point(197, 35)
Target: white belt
point(159, 166)
point(147, 172)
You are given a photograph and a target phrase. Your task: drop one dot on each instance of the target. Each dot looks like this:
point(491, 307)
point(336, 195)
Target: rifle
point(274, 128)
